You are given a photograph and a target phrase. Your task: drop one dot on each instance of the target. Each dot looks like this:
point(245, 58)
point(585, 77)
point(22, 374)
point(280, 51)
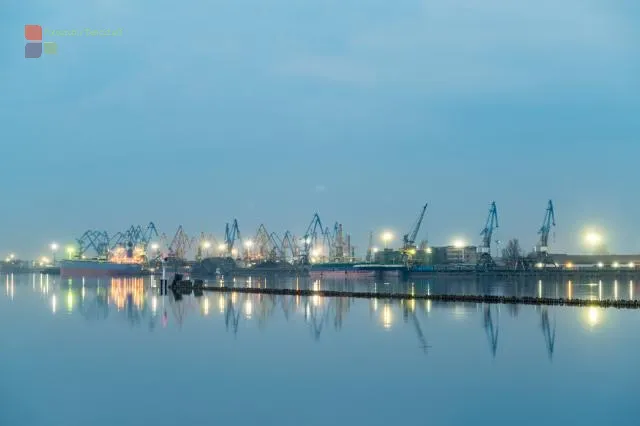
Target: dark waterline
point(114, 352)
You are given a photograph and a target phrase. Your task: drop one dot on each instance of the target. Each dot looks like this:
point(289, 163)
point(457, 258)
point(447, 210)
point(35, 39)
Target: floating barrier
point(508, 300)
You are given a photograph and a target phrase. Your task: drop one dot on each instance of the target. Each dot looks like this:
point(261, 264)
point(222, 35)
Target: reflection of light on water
point(248, 308)
point(569, 290)
point(460, 312)
point(83, 292)
point(387, 317)
point(69, 301)
point(234, 298)
point(428, 305)
point(630, 290)
point(593, 316)
point(316, 300)
point(121, 289)
point(154, 304)
point(221, 304)
point(600, 289)
point(540, 289)
point(205, 306)
point(375, 305)
point(412, 304)
point(54, 303)
point(615, 289)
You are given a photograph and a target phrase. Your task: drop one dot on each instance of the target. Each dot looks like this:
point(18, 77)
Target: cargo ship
point(98, 268)
point(338, 270)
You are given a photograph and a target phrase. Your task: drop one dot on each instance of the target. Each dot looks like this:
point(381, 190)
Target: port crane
point(409, 239)
point(485, 261)
point(311, 236)
point(542, 249)
point(231, 235)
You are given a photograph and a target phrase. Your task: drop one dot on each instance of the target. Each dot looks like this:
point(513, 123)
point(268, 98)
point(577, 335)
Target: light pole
point(206, 245)
point(54, 249)
point(248, 244)
point(386, 238)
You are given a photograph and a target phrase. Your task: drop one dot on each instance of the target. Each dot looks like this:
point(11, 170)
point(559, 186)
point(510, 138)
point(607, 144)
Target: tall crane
point(409, 239)
point(542, 249)
point(484, 259)
point(231, 235)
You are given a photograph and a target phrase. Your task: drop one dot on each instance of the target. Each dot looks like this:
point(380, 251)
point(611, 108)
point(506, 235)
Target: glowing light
point(593, 316)
point(632, 265)
point(54, 246)
point(375, 249)
point(248, 243)
point(569, 265)
point(248, 308)
point(458, 243)
point(539, 265)
point(429, 250)
point(222, 247)
point(206, 245)
point(154, 304)
point(155, 246)
point(600, 265)
point(615, 264)
point(593, 238)
point(387, 237)
point(387, 317)
point(205, 306)
point(69, 301)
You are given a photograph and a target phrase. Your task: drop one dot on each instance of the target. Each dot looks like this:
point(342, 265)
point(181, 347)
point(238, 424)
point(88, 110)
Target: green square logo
point(50, 48)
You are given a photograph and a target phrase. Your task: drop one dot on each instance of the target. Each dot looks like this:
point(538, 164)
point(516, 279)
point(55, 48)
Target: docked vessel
point(338, 270)
point(99, 268)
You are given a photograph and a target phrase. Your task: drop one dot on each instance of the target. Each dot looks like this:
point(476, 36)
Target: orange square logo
point(33, 32)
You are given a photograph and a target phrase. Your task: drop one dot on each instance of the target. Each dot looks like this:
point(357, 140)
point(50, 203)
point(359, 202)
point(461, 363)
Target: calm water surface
point(112, 352)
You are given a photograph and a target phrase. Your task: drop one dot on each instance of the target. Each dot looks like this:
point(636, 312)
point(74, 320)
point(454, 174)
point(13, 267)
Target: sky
point(268, 111)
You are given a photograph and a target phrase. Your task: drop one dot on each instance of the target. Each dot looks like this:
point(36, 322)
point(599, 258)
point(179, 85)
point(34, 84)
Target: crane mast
point(485, 260)
point(409, 239)
point(542, 250)
point(548, 222)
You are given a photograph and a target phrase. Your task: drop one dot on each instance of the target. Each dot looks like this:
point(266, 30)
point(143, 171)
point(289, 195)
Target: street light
point(386, 238)
point(54, 249)
point(459, 243)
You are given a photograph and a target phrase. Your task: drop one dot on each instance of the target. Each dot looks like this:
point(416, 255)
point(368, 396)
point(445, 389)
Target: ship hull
point(91, 268)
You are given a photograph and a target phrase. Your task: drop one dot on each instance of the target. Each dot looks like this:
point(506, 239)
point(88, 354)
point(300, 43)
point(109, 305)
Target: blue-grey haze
point(267, 111)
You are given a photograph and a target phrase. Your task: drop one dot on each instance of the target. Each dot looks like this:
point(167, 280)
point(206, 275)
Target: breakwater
point(507, 300)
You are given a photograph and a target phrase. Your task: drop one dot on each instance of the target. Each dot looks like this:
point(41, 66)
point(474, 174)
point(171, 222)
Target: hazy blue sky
point(268, 110)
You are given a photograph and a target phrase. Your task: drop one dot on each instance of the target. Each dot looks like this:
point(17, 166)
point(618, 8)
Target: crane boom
point(410, 238)
point(548, 222)
point(489, 227)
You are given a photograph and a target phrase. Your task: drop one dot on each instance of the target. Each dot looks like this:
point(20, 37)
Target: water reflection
point(137, 302)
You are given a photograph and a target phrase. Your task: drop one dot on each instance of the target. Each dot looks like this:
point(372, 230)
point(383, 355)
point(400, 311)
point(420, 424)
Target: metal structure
point(102, 244)
point(485, 260)
point(231, 235)
point(370, 257)
point(542, 249)
point(409, 240)
point(314, 240)
point(99, 241)
point(180, 245)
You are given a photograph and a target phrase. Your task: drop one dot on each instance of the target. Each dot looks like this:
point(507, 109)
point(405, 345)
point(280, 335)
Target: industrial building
point(448, 255)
